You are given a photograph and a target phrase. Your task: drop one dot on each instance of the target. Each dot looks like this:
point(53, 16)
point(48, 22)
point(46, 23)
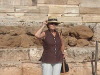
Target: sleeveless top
point(52, 48)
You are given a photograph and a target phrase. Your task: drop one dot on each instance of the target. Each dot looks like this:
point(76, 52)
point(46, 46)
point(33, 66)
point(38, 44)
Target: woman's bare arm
point(63, 43)
point(39, 33)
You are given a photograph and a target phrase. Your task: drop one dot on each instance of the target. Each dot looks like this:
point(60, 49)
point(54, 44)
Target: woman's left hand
point(64, 55)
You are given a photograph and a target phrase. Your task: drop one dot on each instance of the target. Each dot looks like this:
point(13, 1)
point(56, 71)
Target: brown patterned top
point(52, 48)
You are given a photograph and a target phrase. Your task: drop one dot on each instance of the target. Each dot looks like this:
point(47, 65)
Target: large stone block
point(73, 15)
point(34, 14)
point(18, 2)
point(3, 15)
point(73, 2)
point(18, 14)
point(55, 15)
point(79, 69)
point(56, 9)
point(10, 16)
point(33, 18)
point(40, 1)
point(61, 9)
point(70, 19)
point(28, 2)
point(6, 2)
point(61, 2)
point(10, 2)
point(91, 18)
point(35, 53)
point(89, 10)
point(32, 69)
point(90, 3)
point(96, 29)
point(10, 71)
point(1, 1)
point(32, 9)
point(71, 10)
point(80, 54)
point(14, 2)
point(14, 55)
point(6, 9)
point(44, 9)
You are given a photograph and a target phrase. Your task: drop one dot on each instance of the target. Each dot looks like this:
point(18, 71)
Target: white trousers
point(51, 69)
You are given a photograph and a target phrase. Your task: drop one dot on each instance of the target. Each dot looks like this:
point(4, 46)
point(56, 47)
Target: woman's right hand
point(44, 23)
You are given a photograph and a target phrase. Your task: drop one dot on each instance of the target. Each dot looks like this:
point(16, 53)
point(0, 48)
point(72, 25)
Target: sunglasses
point(52, 23)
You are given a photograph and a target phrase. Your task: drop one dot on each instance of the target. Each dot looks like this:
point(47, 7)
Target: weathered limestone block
point(61, 2)
point(55, 15)
point(72, 10)
point(9, 20)
point(73, 2)
point(89, 10)
point(3, 15)
point(32, 9)
point(10, 2)
point(90, 3)
point(18, 2)
point(6, 9)
point(1, 2)
point(14, 55)
point(10, 23)
point(26, 2)
point(10, 71)
point(19, 14)
point(21, 23)
point(6, 15)
point(82, 42)
point(80, 54)
point(72, 41)
point(84, 32)
point(32, 69)
point(79, 69)
point(34, 14)
point(44, 9)
point(40, 1)
point(10, 16)
point(35, 53)
point(56, 9)
point(33, 18)
point(14, 2)
point(61, 9)
point(96, 32)
point(70, 19)
point(73, 15)
point(7, 2)
point(82, 68)
point(91, 18)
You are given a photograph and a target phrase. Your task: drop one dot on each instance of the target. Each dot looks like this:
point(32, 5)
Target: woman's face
point(52, 25)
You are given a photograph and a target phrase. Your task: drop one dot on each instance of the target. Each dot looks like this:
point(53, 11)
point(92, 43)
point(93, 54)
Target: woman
point(53, 45)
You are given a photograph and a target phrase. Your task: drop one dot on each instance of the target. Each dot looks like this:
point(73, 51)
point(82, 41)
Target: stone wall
point(31, 12)
point(24, 61)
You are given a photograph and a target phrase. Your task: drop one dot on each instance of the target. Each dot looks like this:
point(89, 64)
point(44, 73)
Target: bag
point(64, 67)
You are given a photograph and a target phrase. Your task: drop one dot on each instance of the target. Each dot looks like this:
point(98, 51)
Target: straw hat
point(53, 19)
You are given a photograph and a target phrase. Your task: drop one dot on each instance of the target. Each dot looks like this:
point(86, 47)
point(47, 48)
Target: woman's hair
point(48, 26)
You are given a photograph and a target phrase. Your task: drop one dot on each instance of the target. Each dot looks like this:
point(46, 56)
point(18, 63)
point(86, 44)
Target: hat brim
point(53, 22)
